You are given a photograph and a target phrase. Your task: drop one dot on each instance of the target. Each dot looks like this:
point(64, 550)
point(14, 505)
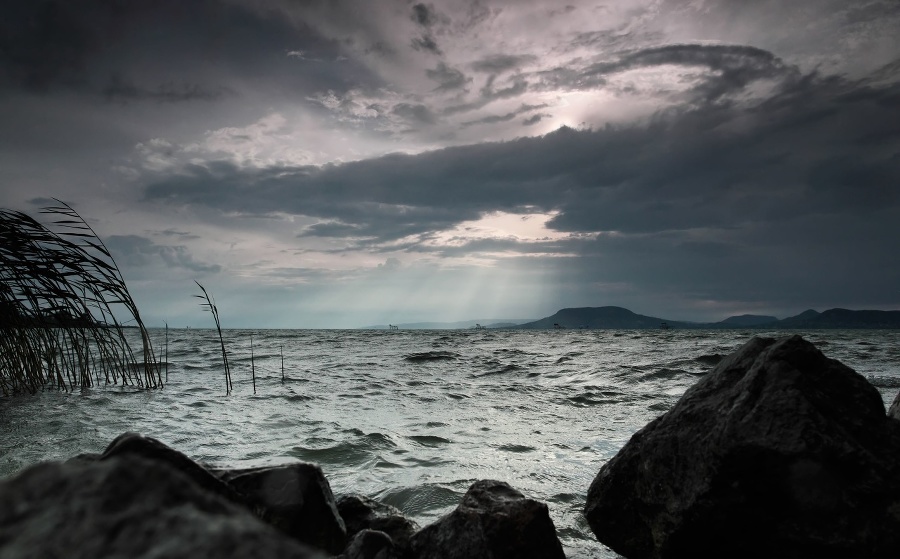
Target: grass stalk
point(252, 364)
point(211, 307)
point(61, 300)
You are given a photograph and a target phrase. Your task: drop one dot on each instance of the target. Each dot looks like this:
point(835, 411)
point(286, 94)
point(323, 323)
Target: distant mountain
point(618, 317)
point(486, 322)
point(745, 320)
point(841, 318)
point(621, 318)
point(599, 317)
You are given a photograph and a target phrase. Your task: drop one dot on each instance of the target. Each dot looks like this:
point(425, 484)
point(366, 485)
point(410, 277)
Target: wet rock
point(894, 410)
point(296, 499)
point(370, 544)
point(128, 506)
point(493, 521)
point(135, 444)
point(778, 451)
point(361, 513)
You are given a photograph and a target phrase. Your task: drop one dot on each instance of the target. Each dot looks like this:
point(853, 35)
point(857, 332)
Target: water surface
point(413, 417)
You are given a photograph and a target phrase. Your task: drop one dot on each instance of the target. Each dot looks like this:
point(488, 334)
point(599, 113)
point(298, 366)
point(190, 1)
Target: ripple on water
point(517, 448)
point(419, 499)
point(429, 440)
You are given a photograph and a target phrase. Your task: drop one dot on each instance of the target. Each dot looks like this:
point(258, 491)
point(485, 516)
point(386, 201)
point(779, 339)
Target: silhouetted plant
point(211, 307)
point(60, 292)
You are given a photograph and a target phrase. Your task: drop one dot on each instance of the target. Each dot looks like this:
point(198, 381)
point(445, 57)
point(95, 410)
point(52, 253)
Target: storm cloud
point(681, 158)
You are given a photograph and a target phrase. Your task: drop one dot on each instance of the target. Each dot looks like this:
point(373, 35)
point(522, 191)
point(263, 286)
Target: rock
point(493, 521)
point(894, 410)
point(778, 451)
point(361, 513)
point(128, 506)
point(370, 544)
point(296, 499)
point(150, 448)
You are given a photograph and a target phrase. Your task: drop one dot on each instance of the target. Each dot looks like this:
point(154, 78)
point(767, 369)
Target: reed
point(211, 307)
point(252, 364)
point(61, 299)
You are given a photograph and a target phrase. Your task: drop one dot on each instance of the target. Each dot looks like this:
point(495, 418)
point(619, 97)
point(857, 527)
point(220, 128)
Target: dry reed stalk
point(211, 307)
point(61, 294)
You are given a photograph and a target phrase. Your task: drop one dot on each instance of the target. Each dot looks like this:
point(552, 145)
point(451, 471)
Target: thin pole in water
point(252, 364)
point(167, 353)
point(282, 364)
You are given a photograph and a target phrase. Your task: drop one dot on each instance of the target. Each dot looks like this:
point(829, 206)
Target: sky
point(337, 163)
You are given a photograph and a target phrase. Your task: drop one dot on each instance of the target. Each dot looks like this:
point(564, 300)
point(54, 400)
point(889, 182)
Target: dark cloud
point(731, 68)
point(499, 63)
point(414, 114)
point(448, 78)
point(123, 90)
point(159, 49)
point(137, 251)
point(426, 43)
point(425, 15)
point(492, 119)
point(724, 187)
point(534, 119)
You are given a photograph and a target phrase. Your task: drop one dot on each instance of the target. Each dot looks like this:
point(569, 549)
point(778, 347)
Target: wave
point(429, 440)
point(431, 356)
point(881, 381)
point(419, 499)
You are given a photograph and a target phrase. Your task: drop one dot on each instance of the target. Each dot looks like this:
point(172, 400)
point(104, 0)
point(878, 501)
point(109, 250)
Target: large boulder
point(296, 499)
point(894, 410)
point(778, 451)
point(128, 506)
point(371, 544)
point(135, 444)
point(362, 513)
point(493, 521)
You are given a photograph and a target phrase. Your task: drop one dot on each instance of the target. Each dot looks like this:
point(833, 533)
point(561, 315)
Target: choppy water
point(409, 417)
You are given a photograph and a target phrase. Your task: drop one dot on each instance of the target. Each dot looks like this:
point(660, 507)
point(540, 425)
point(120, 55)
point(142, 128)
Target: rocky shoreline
point(777, 451)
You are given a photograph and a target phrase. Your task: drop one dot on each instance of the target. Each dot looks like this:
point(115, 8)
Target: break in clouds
point(695, 159)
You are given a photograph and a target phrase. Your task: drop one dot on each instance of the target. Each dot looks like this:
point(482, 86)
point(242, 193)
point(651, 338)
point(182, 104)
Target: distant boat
point(664, 325)
point(558, 326)
point(392, 327)
point(480, 327)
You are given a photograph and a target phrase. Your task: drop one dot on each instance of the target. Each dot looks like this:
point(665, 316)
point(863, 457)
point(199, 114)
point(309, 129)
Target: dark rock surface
point(778, 451)
point(128, 506)
point(361, 513)
point(493, 521)
point(296, 499)
point(894, 410)
point(134, 444)
point(371, 544)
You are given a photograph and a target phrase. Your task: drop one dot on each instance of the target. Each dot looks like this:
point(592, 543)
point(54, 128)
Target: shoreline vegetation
point(61, 296)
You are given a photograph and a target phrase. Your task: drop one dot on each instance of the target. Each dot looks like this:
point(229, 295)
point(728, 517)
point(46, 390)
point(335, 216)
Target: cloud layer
point(696, 157)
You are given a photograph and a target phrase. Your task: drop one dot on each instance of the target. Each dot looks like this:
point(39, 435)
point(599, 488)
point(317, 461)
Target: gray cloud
point(137, 251)
point(448, 78)
point(426, 15)
point(415, 114)
point(499, 63)
point(508, 116)
point(731, 68)
point(767, 171)
point(715, 197)
point(426, 43)
point(197, 48)
point(123, 90)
